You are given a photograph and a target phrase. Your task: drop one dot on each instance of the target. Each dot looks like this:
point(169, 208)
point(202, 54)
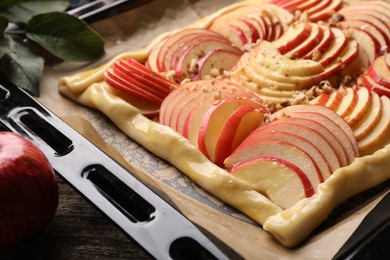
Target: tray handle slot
point(188, 248)
point(125, 199)
point(32, 121)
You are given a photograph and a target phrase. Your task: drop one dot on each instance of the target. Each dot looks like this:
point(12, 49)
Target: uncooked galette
point(278, 108)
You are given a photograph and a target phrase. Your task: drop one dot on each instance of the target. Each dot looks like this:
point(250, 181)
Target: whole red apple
point(28, 190)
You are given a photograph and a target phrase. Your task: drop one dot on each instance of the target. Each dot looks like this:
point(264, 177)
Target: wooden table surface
point(78, 231)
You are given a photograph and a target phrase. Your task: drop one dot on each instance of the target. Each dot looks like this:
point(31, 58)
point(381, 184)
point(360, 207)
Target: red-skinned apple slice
point(215, 62)
point(308, 44)
point(276, 148)
point(339, 134)
point(369, 83)
point(327, 12)
point(150, 80)
point(193, 121)
point(380, 134)
point(320, 6)
point(119, 82)
point(318, 127)
point(380, 72)
point(220, 124)
point(290, 184)
point(365, 42)
point(375, 34)
point(175, 41)
point(380, 25)
point(335, 48)
point(323, 45)
point(348, 56)
point(297, 140)
point(184, 67)
point(325, 111)
point(294, 36)
point(312, 134)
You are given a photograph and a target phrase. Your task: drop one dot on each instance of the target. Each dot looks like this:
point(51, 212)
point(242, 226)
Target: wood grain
point(78, 231)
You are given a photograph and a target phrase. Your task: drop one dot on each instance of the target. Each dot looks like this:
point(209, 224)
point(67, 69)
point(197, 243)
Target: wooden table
point(78, 231)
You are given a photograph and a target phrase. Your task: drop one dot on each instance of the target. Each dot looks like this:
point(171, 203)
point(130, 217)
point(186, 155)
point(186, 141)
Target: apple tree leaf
point(3, 24)
point(24, 10)
point(20, 65)
point(65, 36)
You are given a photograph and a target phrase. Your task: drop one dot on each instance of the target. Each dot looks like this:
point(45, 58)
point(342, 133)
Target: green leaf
point(24, 10)
point(65, 36)
point(20, 65)
point(3, 25)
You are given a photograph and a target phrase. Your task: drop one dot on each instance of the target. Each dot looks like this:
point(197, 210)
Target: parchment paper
point(131, 31)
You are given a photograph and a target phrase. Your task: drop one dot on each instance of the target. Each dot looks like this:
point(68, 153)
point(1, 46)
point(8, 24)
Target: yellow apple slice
point(380, 134)
point(362, 107)
point(281, 181)
point(370, 120)
point(266, 54)
point(348, 102)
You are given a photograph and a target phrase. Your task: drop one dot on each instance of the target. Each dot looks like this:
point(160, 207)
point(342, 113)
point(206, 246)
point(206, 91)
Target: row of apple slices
point(194, 53)
point(139, 85)
point(317, 10)
point(367, 113)
point(304, 56)
point(369, 23)
point(289, 157)
point(248, 24)
point(377, 77)
point(215, 116)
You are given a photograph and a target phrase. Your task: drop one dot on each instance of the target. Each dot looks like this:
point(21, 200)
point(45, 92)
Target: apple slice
point(293, 37)
point(142, 75)
point(276, 148)
point(348, 102)
point(320, 100)
point(375, 34)
point(323, 45)
point(221, 122)
point(380, 72)
point(327, 12)
point(118, 80)
point(289, 183)
point(185, 65)
point(380, 134)
point(362, 107)
point(307, 44)
point(318, 7)
point(365, 126)
point(335, 100)
point(311, 134)
point(270, 57)
point(339, 122)
point(273, 132)
point(369, 83)
point(215, 62)
point(365, 41)
point(176, 41)
point(335, 48)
